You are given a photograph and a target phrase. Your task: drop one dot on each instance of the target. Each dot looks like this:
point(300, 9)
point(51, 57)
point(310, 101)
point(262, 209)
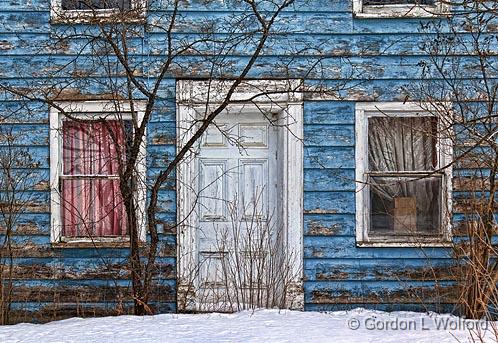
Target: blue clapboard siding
point(54, 283)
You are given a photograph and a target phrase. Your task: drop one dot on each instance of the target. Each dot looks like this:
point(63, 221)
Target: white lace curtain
point(405, 144)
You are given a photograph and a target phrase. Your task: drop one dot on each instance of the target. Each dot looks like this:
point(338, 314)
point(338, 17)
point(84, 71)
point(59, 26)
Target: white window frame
point(364, 111)
point(399, 10)
point(58, 15)
point(90, 110)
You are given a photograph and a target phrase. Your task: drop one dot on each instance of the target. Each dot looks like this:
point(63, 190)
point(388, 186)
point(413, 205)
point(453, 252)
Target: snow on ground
point(358, 325)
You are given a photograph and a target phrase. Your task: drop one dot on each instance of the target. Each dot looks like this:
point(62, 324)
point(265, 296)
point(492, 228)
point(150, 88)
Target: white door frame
point(281, 98)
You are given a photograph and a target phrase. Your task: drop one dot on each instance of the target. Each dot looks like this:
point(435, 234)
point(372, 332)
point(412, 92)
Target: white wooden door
point(237, 206)
point(222, 185)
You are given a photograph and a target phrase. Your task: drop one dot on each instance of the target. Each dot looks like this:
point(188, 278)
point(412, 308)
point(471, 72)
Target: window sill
point(399, 11)
point(439, 243)
point(95, 243)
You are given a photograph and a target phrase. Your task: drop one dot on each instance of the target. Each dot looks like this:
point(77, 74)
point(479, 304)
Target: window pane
point(92, 208)
point(402, 143)
point(96, 4)
point(405, 205)
point(89, 148)
point(398, 2)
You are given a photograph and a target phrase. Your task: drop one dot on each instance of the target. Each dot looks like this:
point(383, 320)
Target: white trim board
point(192, 101)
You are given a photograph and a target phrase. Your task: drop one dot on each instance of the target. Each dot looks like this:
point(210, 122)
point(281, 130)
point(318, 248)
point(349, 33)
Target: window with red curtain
point(91, 200)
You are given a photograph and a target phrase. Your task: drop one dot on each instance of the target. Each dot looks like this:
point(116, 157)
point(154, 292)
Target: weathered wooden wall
point(59, 282)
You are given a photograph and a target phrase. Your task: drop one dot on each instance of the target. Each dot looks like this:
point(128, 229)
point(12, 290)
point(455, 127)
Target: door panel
point(254, 135)
point(254, 183)
point(212, 189)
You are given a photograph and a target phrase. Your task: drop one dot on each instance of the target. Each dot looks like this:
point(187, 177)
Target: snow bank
point(260, 326)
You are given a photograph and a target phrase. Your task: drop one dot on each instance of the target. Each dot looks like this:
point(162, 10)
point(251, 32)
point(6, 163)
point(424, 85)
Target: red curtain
point(91, 200)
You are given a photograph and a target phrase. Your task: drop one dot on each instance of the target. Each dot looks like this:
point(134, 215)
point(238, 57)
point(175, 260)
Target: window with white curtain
point(403, 175)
